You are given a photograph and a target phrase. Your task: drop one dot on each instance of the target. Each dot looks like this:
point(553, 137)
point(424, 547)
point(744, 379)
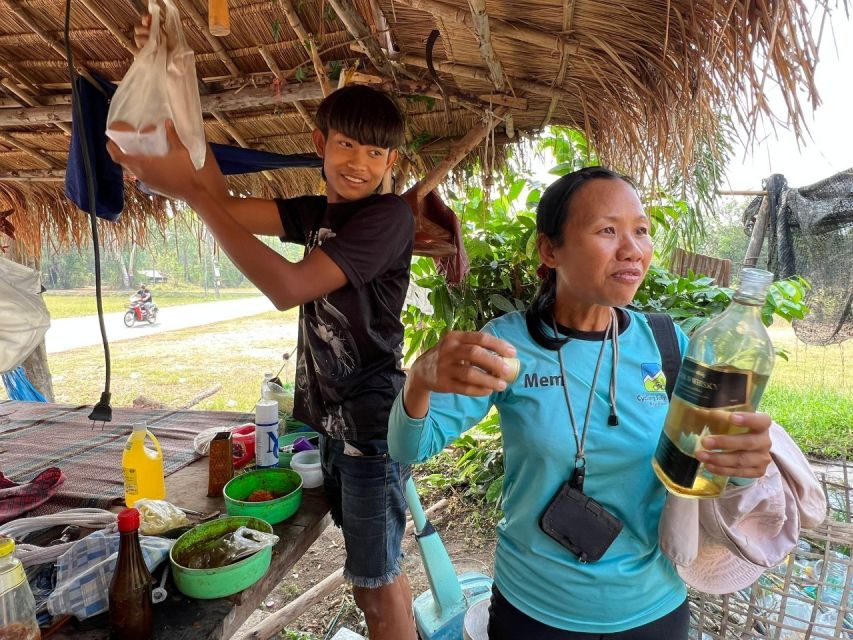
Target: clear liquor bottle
point(726, 368)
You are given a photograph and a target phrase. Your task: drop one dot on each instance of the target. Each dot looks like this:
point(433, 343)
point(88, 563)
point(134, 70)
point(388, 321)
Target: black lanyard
point(612, 332)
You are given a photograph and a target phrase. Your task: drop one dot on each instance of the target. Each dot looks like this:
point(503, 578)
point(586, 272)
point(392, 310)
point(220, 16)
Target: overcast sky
point(830, 146)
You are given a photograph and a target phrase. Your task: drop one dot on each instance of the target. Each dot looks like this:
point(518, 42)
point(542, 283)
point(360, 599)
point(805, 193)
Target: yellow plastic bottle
point(143, 467)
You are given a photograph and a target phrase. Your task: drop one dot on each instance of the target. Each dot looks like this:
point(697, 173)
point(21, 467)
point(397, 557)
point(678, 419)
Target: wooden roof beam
point(273, 66)
point(478, 73)
point(512, 30)
point(24, 16)
point(355, 24)
point(484, 35)
point(307, 41)
point(458, 152)
point(568, 20)
point(32, 175)
point(38, 155)
point(30, 101)
point(111, 26)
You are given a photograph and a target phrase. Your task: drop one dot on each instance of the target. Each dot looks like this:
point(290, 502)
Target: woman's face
point(606, 248)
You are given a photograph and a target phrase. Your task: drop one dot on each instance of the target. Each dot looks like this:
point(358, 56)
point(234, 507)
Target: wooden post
point(355, 24)
point(756, 240)
point(484, 35)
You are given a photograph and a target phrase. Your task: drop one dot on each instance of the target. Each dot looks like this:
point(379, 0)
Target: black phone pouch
point(578, 522)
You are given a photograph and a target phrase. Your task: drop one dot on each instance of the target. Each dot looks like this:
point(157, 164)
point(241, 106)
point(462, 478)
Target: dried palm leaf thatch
point(649, 83)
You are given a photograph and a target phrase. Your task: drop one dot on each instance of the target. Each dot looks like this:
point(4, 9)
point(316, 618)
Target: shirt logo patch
point(653, 378)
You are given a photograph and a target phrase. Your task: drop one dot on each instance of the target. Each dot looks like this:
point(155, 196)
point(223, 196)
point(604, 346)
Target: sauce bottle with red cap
point(130, 589)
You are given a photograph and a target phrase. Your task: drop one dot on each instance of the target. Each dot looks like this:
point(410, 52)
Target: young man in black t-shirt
point(350, 288)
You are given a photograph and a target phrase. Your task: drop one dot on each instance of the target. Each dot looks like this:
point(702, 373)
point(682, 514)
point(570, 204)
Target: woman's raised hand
point(462, 362)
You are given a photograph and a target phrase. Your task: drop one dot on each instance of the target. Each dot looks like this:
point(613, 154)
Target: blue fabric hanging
point(109, 183)
point(18, 387)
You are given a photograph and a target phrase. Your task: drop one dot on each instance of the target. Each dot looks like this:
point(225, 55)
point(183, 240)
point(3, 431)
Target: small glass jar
point(17, 605)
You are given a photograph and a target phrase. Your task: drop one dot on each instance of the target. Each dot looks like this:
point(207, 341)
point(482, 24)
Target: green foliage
point(693, 300)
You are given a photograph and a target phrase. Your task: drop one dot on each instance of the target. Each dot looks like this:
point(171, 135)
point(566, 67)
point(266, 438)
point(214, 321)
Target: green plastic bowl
point(207, 584)
point(284, 457)
point(284, 482)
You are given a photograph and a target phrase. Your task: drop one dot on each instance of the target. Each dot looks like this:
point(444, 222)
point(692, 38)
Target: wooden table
point(182, 618)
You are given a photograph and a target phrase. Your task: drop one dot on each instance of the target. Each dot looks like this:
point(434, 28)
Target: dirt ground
point(468, 536)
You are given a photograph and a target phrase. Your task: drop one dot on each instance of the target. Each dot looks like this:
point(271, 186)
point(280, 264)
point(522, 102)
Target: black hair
point(364, 114)
point(551, 214)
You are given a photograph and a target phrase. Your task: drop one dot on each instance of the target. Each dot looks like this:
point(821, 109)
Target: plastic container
point(266, 434)
point(221, 581)
point(285, 483)
point(307, 465)
point(286, 442)
point(143, 467)
point(17, 605)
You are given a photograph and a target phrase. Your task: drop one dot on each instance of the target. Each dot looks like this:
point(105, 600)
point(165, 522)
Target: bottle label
point(680, 468)
point(702, 386)
point(131, 484)
point(266, 445)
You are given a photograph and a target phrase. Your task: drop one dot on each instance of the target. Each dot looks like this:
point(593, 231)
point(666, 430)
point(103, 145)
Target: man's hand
point(173, 175)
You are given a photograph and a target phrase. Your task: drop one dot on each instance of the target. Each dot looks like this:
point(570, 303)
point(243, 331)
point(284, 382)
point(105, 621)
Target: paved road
point(71, 333)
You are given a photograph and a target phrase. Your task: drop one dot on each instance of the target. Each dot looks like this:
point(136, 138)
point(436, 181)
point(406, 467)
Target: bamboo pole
point(275, 622)
point(214, 42)
point(478, 73)
point(458, 152)
point(756, 240)
point(307, 41)
point(273, 66)
point(38, 155)
point(484, 36)
point(512, 30)
point(355, 24)
point(111, 26)
point(24, 16)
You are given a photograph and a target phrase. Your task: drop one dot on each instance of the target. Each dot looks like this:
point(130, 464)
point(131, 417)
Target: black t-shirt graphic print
point(350, 341)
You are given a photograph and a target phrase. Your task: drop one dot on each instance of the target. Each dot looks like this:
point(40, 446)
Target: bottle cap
point(266, 412)
point(128, 520)
point(140, 426)
point(7, 546)
point(754, 283)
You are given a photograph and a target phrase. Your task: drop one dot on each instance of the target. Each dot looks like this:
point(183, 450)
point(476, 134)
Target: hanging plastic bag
point(24, 318)
point(160, 85)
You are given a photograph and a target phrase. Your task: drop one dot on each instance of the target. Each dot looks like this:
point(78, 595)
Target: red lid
point(128, 520)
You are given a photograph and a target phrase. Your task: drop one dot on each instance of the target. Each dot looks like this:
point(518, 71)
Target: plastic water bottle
point(17, 606)
point(266, 434)
point(835, 579)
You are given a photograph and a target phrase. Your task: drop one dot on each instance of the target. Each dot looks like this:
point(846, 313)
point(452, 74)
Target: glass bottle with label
point(726, 368)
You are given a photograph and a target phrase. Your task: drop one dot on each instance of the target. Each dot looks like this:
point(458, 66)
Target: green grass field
point(811, 394)
point(82, 303)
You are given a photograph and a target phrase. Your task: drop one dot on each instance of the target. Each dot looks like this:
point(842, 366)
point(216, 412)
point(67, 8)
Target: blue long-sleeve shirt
point(633, 583)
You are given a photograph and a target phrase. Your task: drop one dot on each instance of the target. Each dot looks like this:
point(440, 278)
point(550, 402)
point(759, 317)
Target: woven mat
point(35, 436)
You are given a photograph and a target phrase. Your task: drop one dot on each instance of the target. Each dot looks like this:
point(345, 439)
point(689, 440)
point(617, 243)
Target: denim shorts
point(367, 500)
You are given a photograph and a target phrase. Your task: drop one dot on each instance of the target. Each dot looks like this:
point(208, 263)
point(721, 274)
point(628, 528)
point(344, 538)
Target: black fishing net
point(810, 234)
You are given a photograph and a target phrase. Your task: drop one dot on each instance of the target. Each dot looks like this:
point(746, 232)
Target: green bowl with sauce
point(284, 484)
point(218, 582)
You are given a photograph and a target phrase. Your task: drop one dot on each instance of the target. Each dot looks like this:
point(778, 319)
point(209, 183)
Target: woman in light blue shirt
point(563, 573)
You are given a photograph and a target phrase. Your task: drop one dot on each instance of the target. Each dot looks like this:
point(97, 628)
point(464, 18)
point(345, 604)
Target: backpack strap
point(663, 329)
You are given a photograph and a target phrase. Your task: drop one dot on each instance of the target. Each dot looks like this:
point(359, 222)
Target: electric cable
point(102, 411)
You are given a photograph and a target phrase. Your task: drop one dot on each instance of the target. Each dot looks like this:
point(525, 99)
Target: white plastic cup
point(266, 434)
point(307, 465)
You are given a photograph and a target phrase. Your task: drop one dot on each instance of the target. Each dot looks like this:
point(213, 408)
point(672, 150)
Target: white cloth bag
point(160, 85)
point(24, 318)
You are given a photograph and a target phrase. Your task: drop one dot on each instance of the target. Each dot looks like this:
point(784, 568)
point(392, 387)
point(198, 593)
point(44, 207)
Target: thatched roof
point(645, 80)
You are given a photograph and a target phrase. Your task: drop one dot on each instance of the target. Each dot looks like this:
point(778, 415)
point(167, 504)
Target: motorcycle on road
point(137, 312)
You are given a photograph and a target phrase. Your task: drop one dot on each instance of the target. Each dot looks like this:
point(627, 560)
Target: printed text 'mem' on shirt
point(350, 341)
